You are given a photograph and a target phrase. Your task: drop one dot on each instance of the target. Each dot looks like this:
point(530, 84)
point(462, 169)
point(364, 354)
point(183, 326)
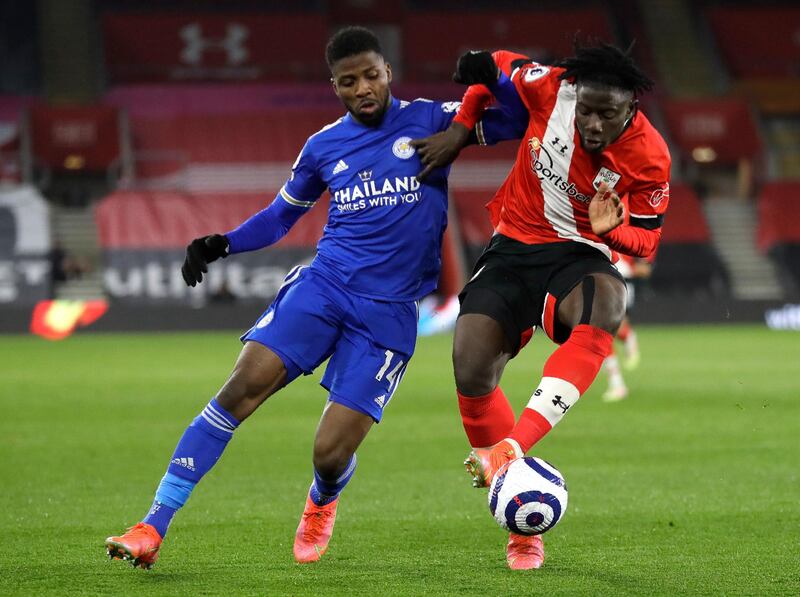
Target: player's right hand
point(200, 252)
point(606, 210)
point(440, 149)
point(476, 66)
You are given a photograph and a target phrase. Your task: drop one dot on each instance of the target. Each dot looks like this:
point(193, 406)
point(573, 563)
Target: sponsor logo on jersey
point(341, 166)
point(534, 73)
point(402, 148)
point(658, 196)
point(375, 193)
point(266, 320)
point(607, 176)
point(542, 166)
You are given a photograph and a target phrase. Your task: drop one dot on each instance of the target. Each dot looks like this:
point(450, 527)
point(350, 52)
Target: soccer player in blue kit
point(355, 303)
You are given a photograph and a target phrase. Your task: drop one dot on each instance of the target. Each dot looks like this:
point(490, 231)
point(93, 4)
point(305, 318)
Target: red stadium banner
point(432, 41)
point(181, 46)
point(74, 138)
point(758, 41)
point(714, 130)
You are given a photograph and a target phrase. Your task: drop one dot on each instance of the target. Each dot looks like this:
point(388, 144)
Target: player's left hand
point(440, 149)
point(606, 210)
point(200, 252)
point(476, 67)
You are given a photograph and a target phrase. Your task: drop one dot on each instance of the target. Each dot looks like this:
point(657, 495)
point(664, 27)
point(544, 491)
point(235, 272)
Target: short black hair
point(607, 65)
point(351, 41)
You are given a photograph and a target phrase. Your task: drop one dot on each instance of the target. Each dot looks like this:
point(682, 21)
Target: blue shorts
point(369, 342)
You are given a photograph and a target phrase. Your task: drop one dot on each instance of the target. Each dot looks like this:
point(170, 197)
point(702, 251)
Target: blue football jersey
point(384, 231)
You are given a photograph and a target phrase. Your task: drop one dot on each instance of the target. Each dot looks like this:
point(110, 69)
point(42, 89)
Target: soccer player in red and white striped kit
point(558, 220)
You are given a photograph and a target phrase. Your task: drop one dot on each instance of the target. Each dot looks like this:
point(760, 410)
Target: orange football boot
point(483, 463)
point(139, 545)
point(524, 552)
point(314, 531)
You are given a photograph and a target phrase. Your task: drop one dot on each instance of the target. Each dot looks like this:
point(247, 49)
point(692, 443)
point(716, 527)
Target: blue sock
point(323, 492)
point(197, 451)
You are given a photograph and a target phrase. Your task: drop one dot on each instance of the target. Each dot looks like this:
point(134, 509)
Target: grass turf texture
point(690, 486)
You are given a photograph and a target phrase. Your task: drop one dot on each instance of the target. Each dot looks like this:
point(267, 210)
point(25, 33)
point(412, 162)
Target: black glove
point(475, 66)
point(200, 252)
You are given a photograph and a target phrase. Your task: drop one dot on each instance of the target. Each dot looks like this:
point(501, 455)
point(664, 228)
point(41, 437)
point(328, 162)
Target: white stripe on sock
point(213, 423)
point(214, 414)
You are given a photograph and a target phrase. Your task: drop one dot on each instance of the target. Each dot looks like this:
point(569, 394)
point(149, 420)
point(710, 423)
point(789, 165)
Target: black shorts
point(520, 285)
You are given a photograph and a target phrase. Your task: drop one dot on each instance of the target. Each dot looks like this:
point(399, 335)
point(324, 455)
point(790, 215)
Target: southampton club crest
point(402, 148)
point(604, 175)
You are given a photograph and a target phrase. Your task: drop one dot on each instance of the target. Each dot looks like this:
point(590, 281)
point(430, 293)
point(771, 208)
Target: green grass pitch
point(688, 487)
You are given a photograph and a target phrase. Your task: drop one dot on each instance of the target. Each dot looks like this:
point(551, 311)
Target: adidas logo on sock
point(184, 462)
point(341, 166)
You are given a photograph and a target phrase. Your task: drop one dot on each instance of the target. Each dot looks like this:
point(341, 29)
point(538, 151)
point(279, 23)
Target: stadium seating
point(433, 39)
point(713, 130)
point(686, 260)
point(770, 34)
point(779, 231)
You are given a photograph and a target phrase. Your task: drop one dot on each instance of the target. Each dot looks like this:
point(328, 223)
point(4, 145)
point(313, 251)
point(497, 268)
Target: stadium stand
point(779, 232)
point(431, 39)
point(686, 260)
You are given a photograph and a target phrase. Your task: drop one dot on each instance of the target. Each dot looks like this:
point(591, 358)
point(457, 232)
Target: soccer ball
point(528, 496)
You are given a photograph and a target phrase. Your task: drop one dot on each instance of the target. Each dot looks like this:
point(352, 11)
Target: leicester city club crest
point(402, 148)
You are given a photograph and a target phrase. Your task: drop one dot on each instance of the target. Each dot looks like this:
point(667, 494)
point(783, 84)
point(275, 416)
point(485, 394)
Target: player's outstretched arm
point(200, 252)
point(261, 230)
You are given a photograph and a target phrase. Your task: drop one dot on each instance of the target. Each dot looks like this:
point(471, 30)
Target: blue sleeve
point(295, 198)
point(266, 227)
point(304, 185)
point(443, 114)
point(508, 100)
point(507, 120)
point(496, 126)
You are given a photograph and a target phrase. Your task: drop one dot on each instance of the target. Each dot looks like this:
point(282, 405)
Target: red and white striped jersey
point(546, 195)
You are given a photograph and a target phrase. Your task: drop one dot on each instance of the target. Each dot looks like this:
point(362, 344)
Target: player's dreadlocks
point(605, 65)
point(349, 42)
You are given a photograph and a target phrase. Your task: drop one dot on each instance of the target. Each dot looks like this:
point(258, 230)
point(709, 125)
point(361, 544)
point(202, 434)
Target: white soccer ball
point(528, 496)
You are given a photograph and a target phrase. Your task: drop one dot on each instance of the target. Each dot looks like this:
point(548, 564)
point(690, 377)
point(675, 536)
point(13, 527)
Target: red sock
point(567, 374)
point(624, 331)
point(487, 419)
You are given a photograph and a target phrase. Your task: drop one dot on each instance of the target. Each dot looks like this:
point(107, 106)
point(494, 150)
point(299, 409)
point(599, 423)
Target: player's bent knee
point(330, 461)
point(476, 371)
point(608, 306)
point(474, 379)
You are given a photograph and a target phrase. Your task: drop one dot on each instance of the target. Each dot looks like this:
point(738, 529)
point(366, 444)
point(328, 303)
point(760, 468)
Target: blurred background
point(127, 128)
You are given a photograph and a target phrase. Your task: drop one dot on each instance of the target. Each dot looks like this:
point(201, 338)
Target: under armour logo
point(197, 45)
point(562, 149)
point(560, 404)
